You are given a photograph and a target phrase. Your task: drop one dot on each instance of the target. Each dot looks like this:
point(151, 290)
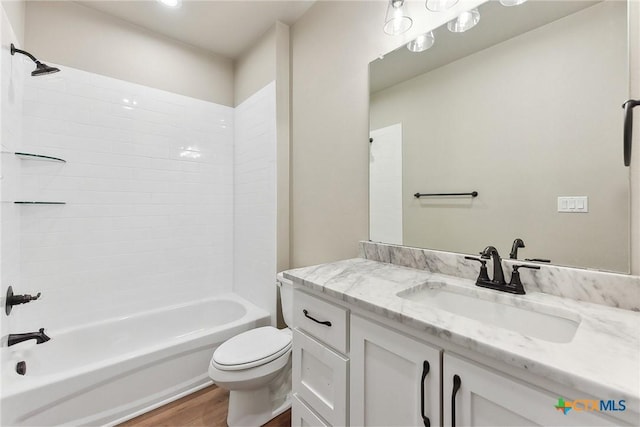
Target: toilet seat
point(253, 348)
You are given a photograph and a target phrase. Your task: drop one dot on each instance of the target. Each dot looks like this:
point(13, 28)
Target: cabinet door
point(395, 379)
point(303, 416)
point(487, 398)
point(320, 378)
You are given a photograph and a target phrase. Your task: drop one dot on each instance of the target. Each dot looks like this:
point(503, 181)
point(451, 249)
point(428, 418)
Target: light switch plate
point(575, 204)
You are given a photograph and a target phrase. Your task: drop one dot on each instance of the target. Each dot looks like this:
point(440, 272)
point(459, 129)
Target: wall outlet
point(575, 204)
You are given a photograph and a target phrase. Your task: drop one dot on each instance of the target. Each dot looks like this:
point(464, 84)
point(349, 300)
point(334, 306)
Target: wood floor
point(207, 407)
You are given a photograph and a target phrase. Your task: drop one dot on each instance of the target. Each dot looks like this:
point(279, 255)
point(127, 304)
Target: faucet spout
point(498, 274)
point(39, 336)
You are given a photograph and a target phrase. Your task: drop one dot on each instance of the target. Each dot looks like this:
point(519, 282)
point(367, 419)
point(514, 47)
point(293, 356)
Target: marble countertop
point(602, 359)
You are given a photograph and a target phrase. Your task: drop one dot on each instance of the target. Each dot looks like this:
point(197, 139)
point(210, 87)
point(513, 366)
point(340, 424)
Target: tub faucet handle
point(13, 299)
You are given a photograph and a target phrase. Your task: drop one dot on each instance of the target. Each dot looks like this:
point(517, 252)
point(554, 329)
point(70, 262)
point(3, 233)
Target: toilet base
point(256, 407)
point(253, 408)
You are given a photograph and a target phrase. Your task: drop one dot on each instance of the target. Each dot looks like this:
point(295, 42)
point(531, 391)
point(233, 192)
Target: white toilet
point(255, 366)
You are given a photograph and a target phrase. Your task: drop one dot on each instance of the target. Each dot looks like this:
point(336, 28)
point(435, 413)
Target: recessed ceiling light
point(171, 3)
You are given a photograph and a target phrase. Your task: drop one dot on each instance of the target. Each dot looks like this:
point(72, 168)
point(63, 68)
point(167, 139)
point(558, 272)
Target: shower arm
point(15, 50)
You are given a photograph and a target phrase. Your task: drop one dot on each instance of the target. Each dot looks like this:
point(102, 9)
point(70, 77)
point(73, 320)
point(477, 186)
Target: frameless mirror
point(523, 110)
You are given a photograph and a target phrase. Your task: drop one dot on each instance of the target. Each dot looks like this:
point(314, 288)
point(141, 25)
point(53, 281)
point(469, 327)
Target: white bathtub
point(108, 372)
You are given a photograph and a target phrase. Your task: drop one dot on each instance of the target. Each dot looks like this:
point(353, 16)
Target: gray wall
point(16, 10)
point(332, 45)
point(634, 72)
point(67, 33)
point(477, 124)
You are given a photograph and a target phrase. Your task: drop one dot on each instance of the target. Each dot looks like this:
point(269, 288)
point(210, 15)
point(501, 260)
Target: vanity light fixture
point(174, 4)
point(396, 20)
point(440, 5)
point(510, 3)
point(465, 21)
point(422, 42)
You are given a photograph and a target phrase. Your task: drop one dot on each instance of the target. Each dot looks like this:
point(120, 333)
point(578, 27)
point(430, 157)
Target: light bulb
point(440, 5)
point(171, 3)
point(509, 3)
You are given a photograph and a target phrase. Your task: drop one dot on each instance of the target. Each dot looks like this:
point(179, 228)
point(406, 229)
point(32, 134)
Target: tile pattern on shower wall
point(12, 75)
point(255, 199)
point(149, 189)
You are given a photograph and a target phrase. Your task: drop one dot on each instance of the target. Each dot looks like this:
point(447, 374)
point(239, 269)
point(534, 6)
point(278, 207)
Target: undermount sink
point(539, 321)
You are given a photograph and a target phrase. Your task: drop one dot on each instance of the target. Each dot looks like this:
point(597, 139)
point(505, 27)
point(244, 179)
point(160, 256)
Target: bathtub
point(107, 372)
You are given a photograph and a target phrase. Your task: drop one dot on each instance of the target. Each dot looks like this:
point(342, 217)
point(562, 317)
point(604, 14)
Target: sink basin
point(537, 320)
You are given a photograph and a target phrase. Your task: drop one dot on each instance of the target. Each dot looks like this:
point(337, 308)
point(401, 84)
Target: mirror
point(524, 109)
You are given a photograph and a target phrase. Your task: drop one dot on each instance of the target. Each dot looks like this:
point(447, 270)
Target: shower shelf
point(29, 156)
point(39, 203)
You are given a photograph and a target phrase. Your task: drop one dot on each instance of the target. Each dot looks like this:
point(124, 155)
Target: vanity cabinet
point(320, 365)
point(475, 395)
point(395, 379)
point(350, 370)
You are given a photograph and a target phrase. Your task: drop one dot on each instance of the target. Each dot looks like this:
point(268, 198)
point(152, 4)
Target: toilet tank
point(286, 298)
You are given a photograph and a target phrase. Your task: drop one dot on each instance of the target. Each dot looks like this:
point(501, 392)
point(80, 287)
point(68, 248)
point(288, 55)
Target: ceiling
point(497, 24)
point(227, 28)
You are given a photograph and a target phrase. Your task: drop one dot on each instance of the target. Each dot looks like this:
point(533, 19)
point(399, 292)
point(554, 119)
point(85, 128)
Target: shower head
point(41, 68)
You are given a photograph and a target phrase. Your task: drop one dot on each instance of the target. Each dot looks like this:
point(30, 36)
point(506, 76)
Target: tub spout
point(39, 336)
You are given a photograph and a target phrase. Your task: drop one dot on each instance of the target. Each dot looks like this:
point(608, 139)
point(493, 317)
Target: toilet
point(255, 366)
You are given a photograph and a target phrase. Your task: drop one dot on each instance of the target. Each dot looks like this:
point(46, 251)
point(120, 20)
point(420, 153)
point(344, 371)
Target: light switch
point(575, 204)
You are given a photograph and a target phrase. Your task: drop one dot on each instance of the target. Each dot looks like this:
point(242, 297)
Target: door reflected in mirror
point(524, 109)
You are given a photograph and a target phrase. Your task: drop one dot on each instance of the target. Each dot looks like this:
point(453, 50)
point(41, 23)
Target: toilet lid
point(252, 348)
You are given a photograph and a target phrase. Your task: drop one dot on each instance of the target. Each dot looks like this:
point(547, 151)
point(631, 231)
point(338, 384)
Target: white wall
point(12, 75)
point(69, 33)
point(255, 208)
point(149, 189)
point(266, 61)
point(571, 147)
point(385, 185)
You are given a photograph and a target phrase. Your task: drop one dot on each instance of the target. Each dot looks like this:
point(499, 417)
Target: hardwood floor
point(207, 407)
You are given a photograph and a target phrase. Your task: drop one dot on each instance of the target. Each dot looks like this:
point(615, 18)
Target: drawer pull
point(306, 314)
point(457, 381)
point(425, 371)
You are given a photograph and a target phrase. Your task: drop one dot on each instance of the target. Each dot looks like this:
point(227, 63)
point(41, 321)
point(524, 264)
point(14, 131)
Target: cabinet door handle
point(456, 386)
point(306, 314)
point(425, 371)
point(628, 128)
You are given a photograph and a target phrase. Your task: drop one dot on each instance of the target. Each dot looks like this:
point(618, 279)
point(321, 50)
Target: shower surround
point(170, 201)
point(149, 190)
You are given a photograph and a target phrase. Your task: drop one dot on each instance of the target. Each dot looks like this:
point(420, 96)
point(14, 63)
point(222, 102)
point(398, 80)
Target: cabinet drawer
point(320, 378)
point(301, 415)
point(307, 308)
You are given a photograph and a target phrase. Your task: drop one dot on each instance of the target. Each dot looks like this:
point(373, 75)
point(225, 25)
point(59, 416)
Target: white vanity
point(381, 344)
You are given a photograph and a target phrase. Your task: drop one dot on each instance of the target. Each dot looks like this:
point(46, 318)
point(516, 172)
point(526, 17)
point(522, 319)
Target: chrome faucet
point(39, 336)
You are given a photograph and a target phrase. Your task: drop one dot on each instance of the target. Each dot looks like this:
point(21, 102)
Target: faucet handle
point(515, 283)
point(517, 266)
point(484, 274)
point(538, 260)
